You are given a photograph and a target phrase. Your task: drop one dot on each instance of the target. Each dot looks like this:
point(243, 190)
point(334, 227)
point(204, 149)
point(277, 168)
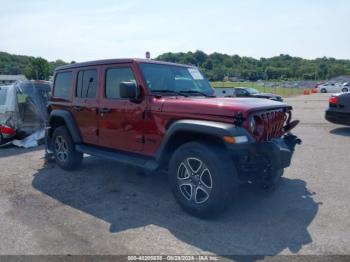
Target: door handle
point(105, 110)
point(78, 108)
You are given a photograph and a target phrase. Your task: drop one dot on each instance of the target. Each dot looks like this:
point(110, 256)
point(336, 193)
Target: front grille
point(273, 122)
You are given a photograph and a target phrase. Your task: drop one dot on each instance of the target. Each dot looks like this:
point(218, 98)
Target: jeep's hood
point(217, 106)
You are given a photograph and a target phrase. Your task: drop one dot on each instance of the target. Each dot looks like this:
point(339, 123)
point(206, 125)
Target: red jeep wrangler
point(157, 115)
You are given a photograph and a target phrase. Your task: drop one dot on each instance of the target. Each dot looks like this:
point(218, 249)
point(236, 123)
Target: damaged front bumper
point(257, 162)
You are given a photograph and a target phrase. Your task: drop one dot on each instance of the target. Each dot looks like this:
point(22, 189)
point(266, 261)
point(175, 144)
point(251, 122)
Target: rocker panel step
point(123, 158)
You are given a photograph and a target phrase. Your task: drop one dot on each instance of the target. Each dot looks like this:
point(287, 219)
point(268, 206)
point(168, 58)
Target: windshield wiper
point(169, 91)
point(196, 92)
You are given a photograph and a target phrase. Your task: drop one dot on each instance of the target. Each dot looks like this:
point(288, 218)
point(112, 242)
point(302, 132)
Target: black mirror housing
point(128, 90)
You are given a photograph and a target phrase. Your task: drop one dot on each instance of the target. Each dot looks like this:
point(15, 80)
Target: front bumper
point(337, 117)
point(256, 161)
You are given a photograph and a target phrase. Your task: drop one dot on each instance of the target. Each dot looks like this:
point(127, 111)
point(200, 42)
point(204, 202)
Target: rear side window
point(63, 85)
point(87, 84)
point(114, 77)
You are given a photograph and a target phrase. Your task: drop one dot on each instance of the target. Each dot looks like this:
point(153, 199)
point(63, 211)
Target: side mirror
point(129, 90)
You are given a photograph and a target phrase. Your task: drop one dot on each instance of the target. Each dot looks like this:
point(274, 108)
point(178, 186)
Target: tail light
point(6, 130)
point(333, 100)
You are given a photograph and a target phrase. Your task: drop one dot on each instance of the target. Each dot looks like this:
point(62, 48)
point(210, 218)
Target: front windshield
point(159, 77)
point(252, 90)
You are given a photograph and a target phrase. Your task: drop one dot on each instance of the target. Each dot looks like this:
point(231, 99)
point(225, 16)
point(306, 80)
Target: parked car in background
point(245, 92)
point(332, 88)
point(252, 92)
point(23, 108)
point(339, 109)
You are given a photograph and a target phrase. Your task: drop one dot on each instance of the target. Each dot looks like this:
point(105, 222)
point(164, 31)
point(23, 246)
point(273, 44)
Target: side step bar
point(123, 158)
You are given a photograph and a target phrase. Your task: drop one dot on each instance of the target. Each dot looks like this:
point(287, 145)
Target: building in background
point(9, 79)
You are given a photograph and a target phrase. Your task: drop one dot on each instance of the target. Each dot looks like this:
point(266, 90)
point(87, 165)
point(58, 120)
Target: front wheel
point(202, 178)
point(345, 90)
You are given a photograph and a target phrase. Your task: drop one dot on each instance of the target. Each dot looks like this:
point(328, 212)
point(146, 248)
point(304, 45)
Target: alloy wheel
point(61, 148)
point(194, 180)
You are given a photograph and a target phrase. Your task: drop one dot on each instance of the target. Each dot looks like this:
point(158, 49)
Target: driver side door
point(117, 115)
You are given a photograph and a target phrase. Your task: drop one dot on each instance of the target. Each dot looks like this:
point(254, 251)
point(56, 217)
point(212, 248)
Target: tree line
point(215, 66)
point(32, 67)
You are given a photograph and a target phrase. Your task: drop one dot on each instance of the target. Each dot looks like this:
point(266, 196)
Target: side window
point(87, 84)
point(239, 91)
point(63, 85)
point(115, 76)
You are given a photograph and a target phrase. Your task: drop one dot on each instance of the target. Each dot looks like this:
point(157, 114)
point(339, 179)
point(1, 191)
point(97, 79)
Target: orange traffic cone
point(306, 92)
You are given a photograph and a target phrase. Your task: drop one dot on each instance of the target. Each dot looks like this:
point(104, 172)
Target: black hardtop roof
point(117, 61)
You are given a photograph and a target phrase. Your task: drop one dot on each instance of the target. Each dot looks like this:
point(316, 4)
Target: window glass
point(240, 91)
point(87, 84)
point(114, 77)
point(63, 84)
point(175, 78)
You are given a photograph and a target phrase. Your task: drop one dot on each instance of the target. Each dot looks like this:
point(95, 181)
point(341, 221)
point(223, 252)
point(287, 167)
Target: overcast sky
point(83, 30)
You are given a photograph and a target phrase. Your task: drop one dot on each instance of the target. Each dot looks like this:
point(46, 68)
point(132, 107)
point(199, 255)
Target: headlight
point(252, 125)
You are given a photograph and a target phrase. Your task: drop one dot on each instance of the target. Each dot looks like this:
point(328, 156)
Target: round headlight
point(252, 125)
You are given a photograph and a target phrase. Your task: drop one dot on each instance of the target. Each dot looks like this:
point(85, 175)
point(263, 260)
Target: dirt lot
point(105, 208)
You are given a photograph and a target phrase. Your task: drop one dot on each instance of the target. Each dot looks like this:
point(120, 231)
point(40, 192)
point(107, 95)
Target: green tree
point(38, 69)
point(54, 65)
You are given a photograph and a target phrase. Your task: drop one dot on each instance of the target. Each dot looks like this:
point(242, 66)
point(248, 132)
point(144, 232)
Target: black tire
point(221, 170)
point(323, 90)
point(345, 90)
point(66, 156)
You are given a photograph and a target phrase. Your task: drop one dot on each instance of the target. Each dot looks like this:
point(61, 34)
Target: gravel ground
point(106, 208)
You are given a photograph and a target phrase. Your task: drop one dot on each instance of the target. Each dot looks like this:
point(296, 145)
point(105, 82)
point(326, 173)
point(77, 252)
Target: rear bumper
point(336, 117)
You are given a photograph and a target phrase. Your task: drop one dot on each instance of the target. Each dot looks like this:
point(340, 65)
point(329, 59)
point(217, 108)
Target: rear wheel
point(323, 90)
point(64, 150)
point(345, 90)
point(202, 178)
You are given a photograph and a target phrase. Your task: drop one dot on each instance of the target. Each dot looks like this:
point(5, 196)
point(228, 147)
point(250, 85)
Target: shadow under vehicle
point(257, 224)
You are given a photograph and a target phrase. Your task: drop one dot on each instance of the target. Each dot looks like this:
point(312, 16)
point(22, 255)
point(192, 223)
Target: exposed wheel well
point(55, 122)
point(181, 138)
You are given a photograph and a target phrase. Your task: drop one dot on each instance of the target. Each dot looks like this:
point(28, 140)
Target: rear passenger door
point(85, 103)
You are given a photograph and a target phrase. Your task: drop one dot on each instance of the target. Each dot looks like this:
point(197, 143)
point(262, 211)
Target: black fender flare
point(70, 123)
point(210, 128)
